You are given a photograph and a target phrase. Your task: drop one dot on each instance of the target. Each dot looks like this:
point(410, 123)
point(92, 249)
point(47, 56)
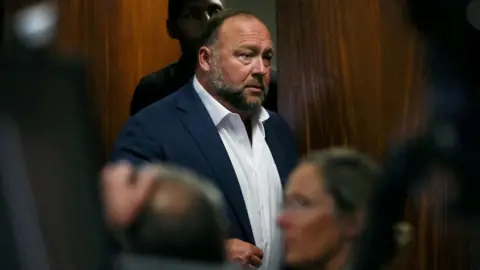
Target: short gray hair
point(212, 29)
point(181, 176)
point(197, 233)
point(349, 176)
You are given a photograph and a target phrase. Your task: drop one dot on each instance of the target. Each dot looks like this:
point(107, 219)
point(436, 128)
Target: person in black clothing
point(186, 22)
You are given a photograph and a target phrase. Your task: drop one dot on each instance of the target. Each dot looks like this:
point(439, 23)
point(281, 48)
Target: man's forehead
point(201, 3)
point(241, 27)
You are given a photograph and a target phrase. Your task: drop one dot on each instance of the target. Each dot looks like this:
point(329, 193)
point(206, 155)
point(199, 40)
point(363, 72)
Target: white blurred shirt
point(256, 172)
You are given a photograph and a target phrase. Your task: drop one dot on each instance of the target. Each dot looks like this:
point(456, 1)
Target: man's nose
point(205, 17)
point(259, 66)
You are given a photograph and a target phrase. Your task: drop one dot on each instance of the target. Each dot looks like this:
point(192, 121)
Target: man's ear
point(172, 29)
point(205, 56)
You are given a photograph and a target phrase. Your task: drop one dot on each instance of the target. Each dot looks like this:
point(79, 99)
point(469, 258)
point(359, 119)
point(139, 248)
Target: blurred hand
point(244, 253)
point(124, 192)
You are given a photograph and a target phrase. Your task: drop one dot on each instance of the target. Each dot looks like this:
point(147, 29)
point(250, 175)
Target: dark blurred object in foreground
point(128, 262)
point(49, 162)
point(452, 139)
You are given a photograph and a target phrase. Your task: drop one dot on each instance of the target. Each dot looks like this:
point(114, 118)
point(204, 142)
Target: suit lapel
point(275, 145)
point(200, 125)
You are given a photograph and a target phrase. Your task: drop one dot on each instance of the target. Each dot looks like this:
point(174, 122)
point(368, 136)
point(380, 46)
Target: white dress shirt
point(256, 172)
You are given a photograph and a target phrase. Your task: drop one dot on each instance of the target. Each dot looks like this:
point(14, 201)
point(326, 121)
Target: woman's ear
point(205, 56)
point(353, 224)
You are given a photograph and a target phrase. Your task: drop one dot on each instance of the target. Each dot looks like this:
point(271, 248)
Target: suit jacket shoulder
point(277, 129)
point(280, 124)
point(142, 135)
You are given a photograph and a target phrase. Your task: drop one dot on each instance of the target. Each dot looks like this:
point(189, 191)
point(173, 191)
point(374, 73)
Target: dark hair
point(350, 177)
point(210, 33)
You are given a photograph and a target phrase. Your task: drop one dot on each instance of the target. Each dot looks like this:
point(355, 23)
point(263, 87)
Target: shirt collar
point(216, 110)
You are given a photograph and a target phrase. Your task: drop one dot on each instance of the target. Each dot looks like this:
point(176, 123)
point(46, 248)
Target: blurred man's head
point(182, 219)
point(234, 60)
point(187, 20)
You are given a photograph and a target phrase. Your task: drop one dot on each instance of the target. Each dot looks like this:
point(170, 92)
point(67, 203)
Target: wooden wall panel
point(357, 72)
point(121, 40)
point(352, 73)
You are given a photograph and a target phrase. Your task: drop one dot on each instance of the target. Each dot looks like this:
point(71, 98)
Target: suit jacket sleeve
point(137, 144)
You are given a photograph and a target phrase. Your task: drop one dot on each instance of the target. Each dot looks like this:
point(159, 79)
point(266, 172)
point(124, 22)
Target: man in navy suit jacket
point(216, 126)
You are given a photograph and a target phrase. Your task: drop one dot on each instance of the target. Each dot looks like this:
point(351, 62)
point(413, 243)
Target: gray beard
point(235, 96)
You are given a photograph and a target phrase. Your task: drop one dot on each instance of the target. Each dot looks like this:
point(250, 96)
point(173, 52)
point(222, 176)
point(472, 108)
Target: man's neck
point(245, 116)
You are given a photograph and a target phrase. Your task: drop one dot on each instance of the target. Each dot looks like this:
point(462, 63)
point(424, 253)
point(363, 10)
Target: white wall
point(264, 9)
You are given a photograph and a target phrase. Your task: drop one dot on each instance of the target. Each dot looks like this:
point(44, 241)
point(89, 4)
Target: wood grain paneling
point(352, 73)
point(355, 72)
point(121, 40)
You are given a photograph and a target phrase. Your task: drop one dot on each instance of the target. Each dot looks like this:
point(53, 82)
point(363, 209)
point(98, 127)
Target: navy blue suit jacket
point(179, 130)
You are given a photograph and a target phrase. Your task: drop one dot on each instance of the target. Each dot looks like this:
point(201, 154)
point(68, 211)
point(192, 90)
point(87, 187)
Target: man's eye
point(188, 16)
point(194, 15)
point(213, 11)
point(267, 60)
point(246, 56)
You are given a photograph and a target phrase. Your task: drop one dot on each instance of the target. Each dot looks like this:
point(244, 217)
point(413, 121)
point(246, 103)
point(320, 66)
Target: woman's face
point(311, 230)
